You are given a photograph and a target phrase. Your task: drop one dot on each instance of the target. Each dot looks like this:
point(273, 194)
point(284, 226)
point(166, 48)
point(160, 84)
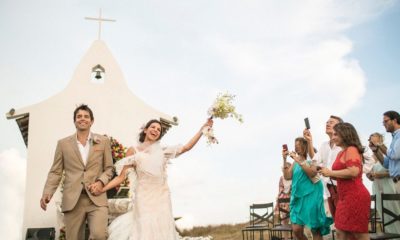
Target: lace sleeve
point(171, 152)
point(123, 162)
point(353, 158)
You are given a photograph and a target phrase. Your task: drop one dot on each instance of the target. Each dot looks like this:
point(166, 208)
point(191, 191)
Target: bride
point(151, 217)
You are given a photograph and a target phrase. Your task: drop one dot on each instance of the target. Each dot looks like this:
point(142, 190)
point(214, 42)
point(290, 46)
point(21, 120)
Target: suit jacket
point(67, 158)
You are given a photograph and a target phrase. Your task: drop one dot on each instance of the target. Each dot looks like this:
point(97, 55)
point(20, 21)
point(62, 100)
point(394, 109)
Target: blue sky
point(375, 47)
point(284, 61)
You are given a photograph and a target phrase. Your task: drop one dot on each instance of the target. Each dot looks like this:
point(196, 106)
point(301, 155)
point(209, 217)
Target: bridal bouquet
point(222, 108)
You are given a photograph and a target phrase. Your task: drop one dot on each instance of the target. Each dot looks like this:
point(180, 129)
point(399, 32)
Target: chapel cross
point(99, 19)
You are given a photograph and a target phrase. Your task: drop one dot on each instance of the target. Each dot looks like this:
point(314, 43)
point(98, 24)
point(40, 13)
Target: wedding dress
point(151, 215)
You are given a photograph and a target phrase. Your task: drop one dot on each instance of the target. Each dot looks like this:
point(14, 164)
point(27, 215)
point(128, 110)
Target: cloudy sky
point(284, 61)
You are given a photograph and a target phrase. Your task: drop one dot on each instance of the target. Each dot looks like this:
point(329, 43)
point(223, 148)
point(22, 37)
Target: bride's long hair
point(142, 135)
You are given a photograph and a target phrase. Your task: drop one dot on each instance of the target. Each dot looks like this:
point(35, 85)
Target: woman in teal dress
point(306, 202)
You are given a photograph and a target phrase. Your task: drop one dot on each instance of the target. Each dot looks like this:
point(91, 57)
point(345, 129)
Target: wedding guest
point(284, 193)
point(151, 216)
point(306, 203)
point(391, 121)
point(382, 183)
point(84, 158)
point(326, 156)
point(353, 207)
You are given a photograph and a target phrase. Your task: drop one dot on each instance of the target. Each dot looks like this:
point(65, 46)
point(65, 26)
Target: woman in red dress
point(353, 208)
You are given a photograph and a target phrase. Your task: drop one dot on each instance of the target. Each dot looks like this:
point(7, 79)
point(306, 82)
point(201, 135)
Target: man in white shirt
point(326, 156)
point(85, 159)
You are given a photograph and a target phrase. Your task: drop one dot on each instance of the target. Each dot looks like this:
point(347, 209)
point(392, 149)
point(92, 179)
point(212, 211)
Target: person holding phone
point(391, 122)
point(306, 202)
point(381, 181)
point(354, 198)
point(285, 187)
point(325, 157)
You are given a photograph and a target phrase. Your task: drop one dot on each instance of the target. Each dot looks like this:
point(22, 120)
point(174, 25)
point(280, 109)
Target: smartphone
point(284, 146)
point(307, 123)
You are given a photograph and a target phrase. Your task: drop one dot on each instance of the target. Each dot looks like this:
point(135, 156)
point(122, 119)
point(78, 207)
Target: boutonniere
point(96, 140)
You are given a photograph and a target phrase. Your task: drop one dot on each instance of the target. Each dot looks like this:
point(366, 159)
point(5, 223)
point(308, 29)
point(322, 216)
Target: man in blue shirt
point(391, 121)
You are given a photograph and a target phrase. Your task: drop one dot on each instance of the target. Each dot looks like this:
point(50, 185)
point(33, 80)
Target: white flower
point(96, 139)
point(222, 108)
point(209, 133)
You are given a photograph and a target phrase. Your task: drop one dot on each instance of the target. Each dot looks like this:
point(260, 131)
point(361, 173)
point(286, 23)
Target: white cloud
point(285, 60)
point(284, 63)
point(12, 185)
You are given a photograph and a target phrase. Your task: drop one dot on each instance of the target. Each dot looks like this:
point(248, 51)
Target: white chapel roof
point(112, 90)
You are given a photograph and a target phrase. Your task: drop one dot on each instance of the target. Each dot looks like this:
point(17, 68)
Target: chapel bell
point(98, 72)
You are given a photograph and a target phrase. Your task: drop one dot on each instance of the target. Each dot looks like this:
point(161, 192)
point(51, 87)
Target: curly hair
point(379, 136)
point(142, 134)
point(349, 136)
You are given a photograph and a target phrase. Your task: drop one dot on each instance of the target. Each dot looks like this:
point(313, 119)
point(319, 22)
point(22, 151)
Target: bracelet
point(302, 163)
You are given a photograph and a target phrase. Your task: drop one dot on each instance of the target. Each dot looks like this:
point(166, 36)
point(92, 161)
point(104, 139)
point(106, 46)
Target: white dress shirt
point(84, 150)
point(325, 157)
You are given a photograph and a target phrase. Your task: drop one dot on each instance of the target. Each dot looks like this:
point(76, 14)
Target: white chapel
point(98, 82)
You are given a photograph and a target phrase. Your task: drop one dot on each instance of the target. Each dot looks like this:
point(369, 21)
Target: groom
point(86, 160)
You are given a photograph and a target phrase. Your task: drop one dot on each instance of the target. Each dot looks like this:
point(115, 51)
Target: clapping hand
point(295, 157)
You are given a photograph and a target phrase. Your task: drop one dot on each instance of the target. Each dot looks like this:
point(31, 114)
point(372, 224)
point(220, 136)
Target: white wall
point(117, 112)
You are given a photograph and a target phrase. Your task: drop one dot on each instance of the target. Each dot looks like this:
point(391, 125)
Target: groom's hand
point(45, 200)
point(96, 188)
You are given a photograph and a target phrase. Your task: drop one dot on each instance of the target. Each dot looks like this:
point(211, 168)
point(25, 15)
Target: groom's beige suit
point(77, 176)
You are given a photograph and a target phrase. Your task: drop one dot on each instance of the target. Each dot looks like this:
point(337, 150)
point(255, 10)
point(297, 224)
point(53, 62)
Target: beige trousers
point(85, 210)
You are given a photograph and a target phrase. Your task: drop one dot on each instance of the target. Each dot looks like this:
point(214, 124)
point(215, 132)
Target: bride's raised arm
point(196, 137)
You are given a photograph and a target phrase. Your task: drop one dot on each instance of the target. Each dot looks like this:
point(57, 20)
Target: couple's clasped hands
point(95, 188)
